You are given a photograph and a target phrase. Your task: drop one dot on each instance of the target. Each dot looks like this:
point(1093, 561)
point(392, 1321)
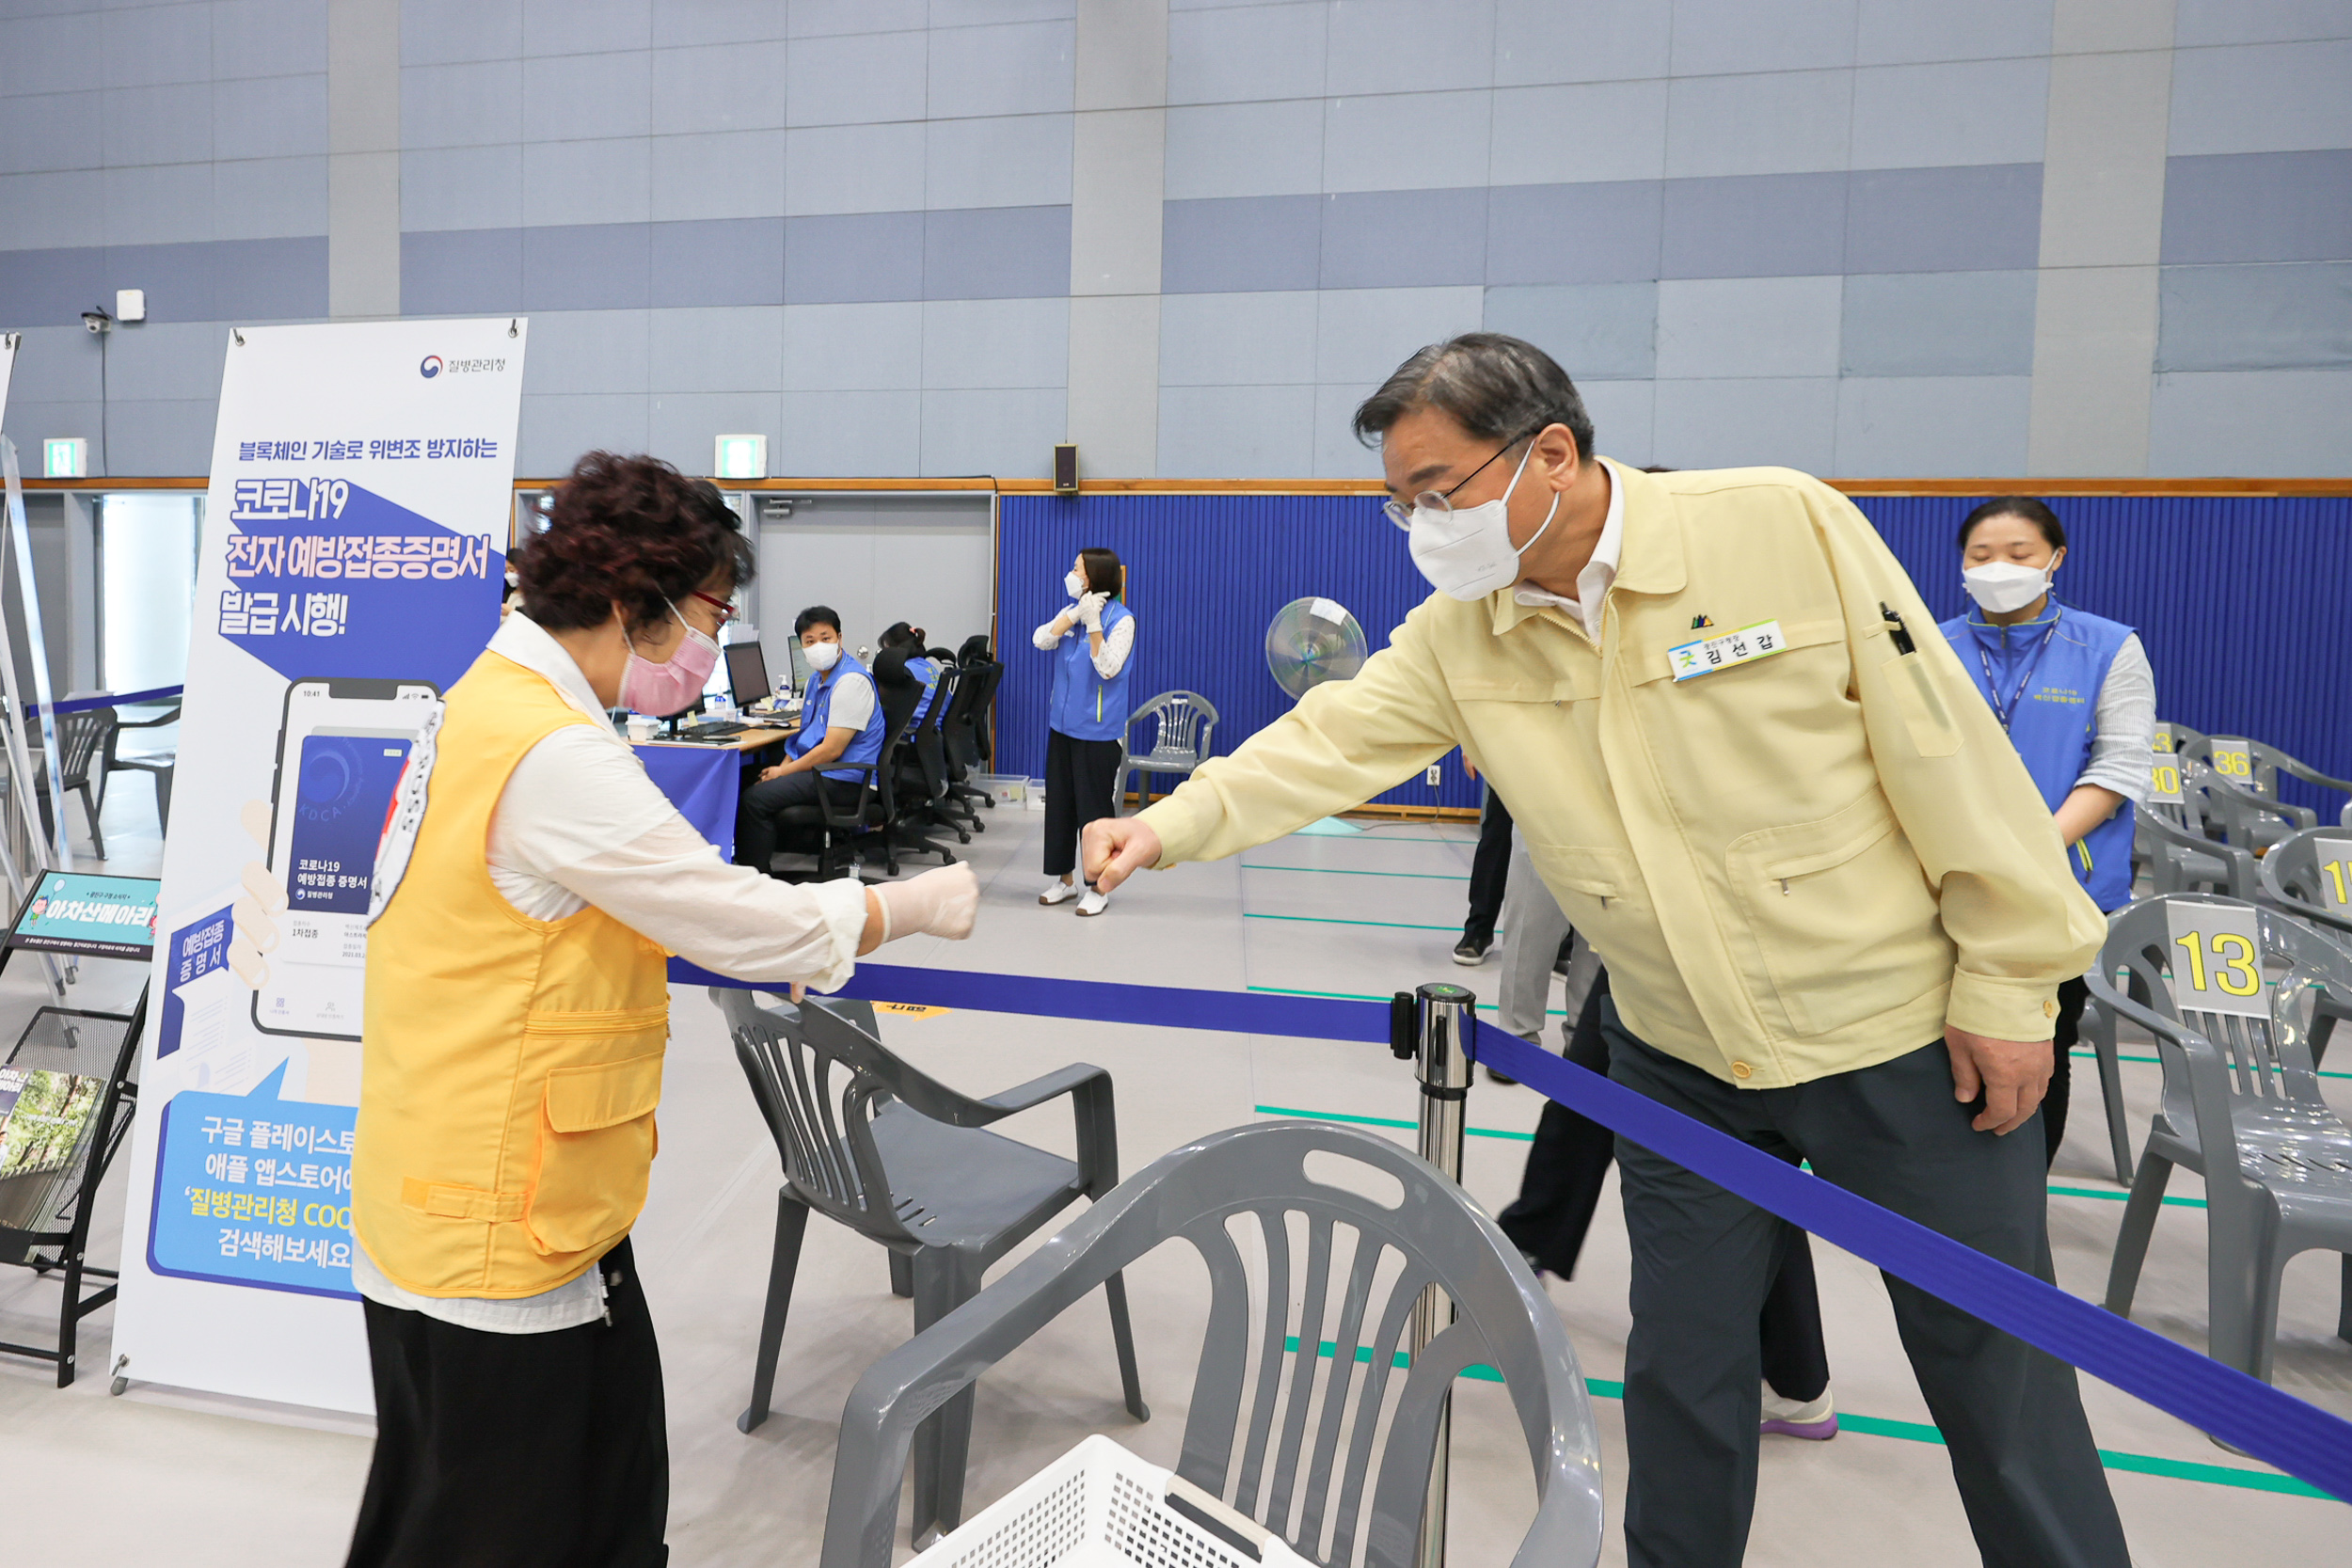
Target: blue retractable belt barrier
point(107, 699)
point(2299, 1438)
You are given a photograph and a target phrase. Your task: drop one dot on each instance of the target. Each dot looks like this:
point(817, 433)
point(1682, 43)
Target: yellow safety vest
point(509, 1065)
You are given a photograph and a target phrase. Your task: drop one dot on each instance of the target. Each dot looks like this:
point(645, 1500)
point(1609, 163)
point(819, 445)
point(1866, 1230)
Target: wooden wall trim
point(2043, 486)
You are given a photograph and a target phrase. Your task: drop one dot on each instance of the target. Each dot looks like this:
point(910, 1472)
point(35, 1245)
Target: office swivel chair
point(834, 832)
point(967, 735)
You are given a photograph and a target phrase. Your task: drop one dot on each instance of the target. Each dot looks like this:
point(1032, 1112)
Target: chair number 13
point(2235, 957)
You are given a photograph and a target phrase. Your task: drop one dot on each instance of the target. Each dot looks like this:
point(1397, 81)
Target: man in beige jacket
point(1833, 908)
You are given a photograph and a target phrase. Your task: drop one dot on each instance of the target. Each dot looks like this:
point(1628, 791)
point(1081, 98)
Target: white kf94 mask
point(2001, 586)
point(1465, 552)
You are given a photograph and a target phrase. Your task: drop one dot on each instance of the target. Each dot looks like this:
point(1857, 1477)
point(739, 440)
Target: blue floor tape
point(2297, 1437)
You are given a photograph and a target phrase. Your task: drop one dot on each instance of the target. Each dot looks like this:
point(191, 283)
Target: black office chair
point(837, 831)
point(967, 736)
point(920, 777)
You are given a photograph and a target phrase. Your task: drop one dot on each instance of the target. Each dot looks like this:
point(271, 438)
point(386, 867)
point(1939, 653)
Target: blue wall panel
point(2244, 603)
point(1205, 574)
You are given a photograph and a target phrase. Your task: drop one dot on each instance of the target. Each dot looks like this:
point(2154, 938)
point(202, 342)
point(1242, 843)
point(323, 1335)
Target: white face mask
point(2001, 586)
point(822, 655)
point(1466, 553)
point(1075, 583)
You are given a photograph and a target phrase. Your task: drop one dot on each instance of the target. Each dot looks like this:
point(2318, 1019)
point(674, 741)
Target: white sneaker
point(1816, 1420)
point(1057, 893)
point(1094, 903)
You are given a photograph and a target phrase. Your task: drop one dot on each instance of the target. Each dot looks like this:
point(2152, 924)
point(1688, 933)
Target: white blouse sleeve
point(2126, 720)
point(1117, 644)
point(1045, 639)
point(579, 814)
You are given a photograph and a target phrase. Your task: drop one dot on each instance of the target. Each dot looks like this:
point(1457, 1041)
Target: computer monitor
point(747, 674)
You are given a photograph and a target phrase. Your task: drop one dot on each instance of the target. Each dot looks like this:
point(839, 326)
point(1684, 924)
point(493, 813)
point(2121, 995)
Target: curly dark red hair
point(632, 531)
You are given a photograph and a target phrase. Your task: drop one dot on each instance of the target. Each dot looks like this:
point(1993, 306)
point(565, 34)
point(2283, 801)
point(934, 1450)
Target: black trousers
point(1704, 1259)
point(756, 808)
point(1561, 1189)
point(518, 1450)
point(1080, 776)
point(2073, 996)
point(1490, 870)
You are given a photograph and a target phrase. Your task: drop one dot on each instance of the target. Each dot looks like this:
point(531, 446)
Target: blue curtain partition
point(2244, 603)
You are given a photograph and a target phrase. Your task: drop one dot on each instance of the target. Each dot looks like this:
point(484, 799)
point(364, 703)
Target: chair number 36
point(2233, 956)
point(2234, 764)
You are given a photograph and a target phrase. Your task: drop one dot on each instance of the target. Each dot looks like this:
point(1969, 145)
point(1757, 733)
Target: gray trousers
point(1533, 927)
point(2012, 1416)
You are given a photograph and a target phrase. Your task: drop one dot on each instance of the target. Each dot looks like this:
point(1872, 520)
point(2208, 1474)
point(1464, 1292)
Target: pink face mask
point(670, 687)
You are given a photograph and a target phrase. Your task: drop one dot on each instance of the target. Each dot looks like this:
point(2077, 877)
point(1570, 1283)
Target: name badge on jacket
point(1711, 654)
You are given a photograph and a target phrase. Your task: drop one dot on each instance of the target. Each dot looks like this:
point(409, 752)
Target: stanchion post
point(1433, 1026)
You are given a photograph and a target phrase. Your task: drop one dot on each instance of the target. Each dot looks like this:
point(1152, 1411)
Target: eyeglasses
point(1442, 500)
point(726, 611)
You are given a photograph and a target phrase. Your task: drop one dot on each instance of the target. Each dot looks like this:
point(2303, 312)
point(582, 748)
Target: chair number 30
point(2239, 963)
point(2167, 778)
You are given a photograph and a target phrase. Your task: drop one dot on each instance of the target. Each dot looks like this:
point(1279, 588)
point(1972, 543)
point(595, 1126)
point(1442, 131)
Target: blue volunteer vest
point(927, 670)
point(865, 748)
point(1086, 706)
point(2056, 718)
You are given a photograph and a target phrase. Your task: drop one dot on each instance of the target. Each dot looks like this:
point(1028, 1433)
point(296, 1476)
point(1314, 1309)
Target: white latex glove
point(941, 902)
point(1091, 610)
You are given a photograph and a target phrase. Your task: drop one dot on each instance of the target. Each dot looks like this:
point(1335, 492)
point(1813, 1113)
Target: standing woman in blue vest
point(1088, 715)
point(2078, 700)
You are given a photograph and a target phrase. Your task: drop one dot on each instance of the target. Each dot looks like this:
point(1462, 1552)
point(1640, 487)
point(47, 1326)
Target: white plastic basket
point(1099, 1506)
point(1005, 788)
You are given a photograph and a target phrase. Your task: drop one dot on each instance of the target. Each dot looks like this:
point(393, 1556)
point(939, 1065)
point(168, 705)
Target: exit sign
point(741, 457)
point(65, 457)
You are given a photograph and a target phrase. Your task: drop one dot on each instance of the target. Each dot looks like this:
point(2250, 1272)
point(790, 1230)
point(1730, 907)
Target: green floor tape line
point(2120, 1198)
point(1339, 871)
point(1330, 920)
point(1920, 1432)
point(2158, 1061)
point(1385, 1121)
point(1360, 996)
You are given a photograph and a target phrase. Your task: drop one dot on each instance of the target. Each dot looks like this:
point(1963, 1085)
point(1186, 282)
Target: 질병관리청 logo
point(431, 366)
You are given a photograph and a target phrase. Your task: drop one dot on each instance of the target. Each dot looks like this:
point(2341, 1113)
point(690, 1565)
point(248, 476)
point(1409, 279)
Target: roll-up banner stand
point(350, 571)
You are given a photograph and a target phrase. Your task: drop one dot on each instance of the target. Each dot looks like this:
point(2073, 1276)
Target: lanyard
point(1993, 687)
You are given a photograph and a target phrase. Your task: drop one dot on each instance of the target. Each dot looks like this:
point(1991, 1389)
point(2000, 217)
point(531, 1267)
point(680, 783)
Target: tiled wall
point(1811, 231)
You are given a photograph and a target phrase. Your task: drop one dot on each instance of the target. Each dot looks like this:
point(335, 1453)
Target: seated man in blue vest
point(841, 726)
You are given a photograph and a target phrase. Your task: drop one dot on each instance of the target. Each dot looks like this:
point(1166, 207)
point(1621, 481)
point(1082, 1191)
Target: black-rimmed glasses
point(1401, 513)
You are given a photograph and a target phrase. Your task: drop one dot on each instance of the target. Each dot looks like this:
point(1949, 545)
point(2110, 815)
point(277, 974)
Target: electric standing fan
point(1311, 641)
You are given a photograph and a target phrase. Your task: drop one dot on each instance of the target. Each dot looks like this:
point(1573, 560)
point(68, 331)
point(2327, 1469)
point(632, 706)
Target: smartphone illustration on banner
point(342, 749)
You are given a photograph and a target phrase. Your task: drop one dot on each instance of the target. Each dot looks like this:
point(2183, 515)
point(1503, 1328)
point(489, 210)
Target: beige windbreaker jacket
point(1795, 865)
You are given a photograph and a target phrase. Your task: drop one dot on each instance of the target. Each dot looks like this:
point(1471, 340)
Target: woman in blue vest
point(1088, 715)
point(2078, 700)
point(841, 726)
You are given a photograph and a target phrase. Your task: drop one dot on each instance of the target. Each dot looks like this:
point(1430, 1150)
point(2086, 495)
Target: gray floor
point(190, 1480)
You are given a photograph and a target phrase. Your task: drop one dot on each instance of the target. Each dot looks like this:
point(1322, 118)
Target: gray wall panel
point(2255, 318)
point(2259, 207)
point(1238, 244)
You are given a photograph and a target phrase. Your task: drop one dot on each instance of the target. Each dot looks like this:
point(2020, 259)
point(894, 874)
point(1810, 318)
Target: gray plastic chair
point(2291, 878)
point(903, 1159)
point(2242, 1107)
point(2251, 813)
point(1185, 722)
point(2171, 843)
point(1259, 1175)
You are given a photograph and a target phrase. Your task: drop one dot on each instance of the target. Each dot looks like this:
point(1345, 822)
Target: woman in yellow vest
point(518, 1007)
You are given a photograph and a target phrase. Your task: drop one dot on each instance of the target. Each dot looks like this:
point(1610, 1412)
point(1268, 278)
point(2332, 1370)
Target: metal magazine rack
point(66, 1093)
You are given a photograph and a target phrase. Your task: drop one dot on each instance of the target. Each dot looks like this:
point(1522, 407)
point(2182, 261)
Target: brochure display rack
point(65, 1095)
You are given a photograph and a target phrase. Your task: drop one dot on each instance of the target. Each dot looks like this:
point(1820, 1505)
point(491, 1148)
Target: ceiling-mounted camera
point(96, 320)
